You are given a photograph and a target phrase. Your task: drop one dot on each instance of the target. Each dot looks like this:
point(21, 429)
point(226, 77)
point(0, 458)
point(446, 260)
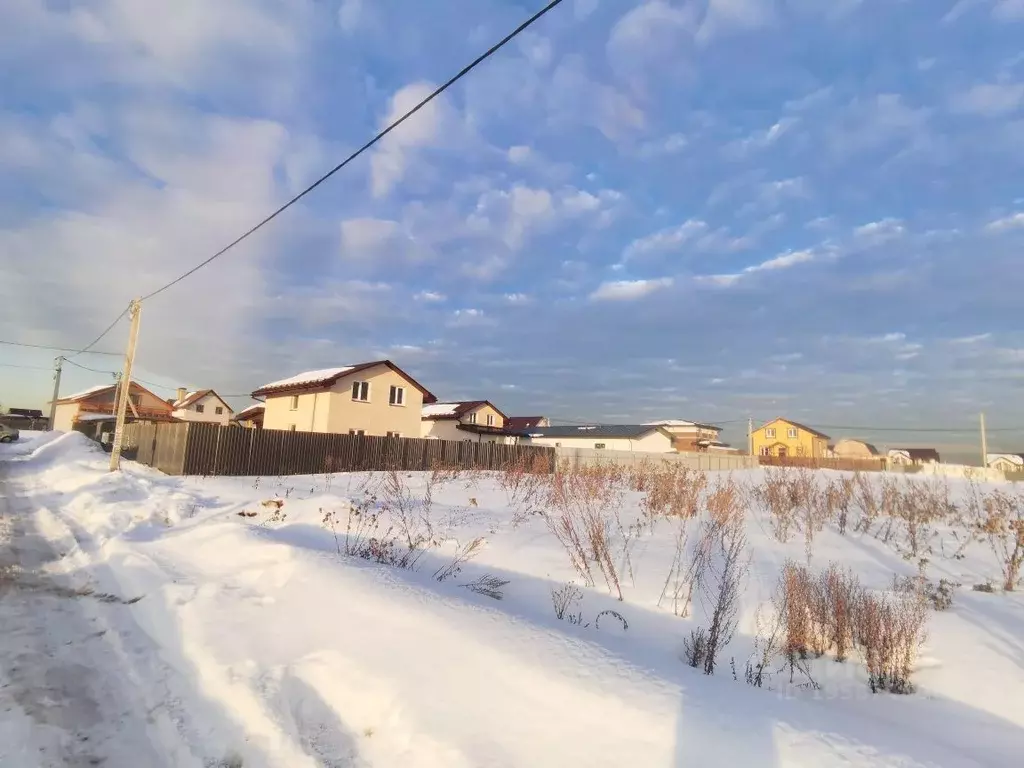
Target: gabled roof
point(455, 410)
point(621, 431)
point(871, 448)
point(326, 377)
point(682, 423)
point(194, 397)
point(27, 413)
point(798, 425)
point(85, 394)
point(515, 423)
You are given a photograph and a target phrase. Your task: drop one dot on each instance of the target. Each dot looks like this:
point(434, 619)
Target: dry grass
point(1001, 522)
point(726, 570)
point(889, 630)
point(672, 490)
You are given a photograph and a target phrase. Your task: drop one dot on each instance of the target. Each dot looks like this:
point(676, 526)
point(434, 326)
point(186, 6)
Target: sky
point(696, 209)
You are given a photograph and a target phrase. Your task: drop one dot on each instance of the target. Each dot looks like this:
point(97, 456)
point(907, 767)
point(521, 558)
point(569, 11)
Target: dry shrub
point(411, 516)
point(564, 599)
point(795, 600)
point(838, 498)
point(678, 575)
point(1002, 523)
point(726, 569)
point(915, 507)
point(526, 484)
point(672, 491)
point(488, 585)
point(889, 631)
point(585, 520)
point(791, 498)
point(836, 596)
point(818, 612)
point(695, 647)
point(463, 554)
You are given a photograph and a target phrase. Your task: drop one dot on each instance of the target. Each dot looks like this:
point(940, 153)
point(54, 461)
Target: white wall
point(209, 415)
point(64, 418)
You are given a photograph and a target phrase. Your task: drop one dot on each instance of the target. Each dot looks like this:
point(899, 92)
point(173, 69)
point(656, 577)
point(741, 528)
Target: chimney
point(181, 394)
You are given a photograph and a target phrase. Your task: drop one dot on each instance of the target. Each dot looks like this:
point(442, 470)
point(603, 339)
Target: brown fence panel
point(807, 462)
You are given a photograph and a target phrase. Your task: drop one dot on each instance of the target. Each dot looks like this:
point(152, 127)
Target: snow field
point(263, 644)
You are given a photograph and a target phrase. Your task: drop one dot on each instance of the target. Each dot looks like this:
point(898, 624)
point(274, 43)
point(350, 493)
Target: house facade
point(473, 420)
point(640, 438)
point(783, 437)
point(205, 405)
point(1006, 462)
point(376, 399)
point(96, 406)
point(848, 448)
point(692, 436)
point(913, 457)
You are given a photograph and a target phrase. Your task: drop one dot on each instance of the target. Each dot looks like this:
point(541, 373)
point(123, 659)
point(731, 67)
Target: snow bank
point(283, 651)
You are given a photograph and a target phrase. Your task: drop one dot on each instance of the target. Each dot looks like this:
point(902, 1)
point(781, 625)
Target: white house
point(204, 405)
point(642, 438)
point(1006, 462)
point(471, 420)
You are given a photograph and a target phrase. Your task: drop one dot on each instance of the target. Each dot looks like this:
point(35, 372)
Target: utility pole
point(56, 390)
point(984, 442)
point(750, 435)
point(124, 393)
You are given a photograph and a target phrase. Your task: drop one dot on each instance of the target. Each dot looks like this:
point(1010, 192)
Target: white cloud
point(672, 144)
point(517, 298)
point(519, 154)
point(430, 296)
point(868, 124)
point(990, 99)
point(727, 15)
point(577, 201)
point(664, 240)
point(389, 161)
point(363, 237)
point(628, 290)
point(977, 339)
point(583, 8)
point(761, 139)
point(350, 15)
point(878, 232)
point(782, 261)
point(1006, 223)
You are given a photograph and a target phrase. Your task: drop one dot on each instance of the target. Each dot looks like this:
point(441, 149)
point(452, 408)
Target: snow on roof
point(670, 423)
point(185, 399)
point(440, 409)
point(96, 417)
point(87, 392)
point(254, 408)
point(309, 377)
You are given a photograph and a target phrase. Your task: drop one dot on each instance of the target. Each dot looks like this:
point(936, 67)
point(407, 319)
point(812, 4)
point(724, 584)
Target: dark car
point(8, 434)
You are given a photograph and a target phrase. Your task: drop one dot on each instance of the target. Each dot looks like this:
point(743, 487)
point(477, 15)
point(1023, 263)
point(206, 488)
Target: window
point(793, 432)
point(294, 405)
point(490, 419)
point(291, 427)
point(558, 445)
point(200, 408)
point(357, 432)
point(361, 391)
point(394, 434)
point(397, 395)
point(599, 445)
point(769, 432)
point(766, 451)
point(219, 410)
point(472, 418)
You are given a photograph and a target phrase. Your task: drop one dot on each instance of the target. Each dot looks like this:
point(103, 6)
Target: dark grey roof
point(622, 431)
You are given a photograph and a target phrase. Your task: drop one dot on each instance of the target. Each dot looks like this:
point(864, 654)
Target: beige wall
point(335, 411)
point(64, 418)
point(853, 449)
point(209, 415)
point(656, 442)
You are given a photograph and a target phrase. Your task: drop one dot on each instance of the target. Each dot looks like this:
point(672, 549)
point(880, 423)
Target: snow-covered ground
point(216, 622)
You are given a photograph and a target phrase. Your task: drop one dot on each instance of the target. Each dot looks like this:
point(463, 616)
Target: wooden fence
point(209, 449)
point(807, 462)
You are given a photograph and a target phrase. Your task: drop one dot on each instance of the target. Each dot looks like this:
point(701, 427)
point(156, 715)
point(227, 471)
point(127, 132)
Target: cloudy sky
point(705, 209)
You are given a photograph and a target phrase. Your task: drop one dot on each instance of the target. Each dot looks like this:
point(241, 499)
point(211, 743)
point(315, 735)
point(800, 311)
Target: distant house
point(1007, 462)
point(646, 438)
point(203, 405)
point(374, 399)
point(476, 420)
point(907, 457)
point(24, 418)
point(692, 436)
point(522, 423)
point(847, 448)
point(783, 437)
point(251, 417)
point(92, 410)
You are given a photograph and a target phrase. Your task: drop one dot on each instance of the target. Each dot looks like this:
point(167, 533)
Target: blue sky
point(638, 210)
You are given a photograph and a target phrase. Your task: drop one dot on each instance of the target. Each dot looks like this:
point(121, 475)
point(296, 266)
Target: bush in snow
point(726, 569)
point(695, 648)
point(672, 490)
point(488, 585)
point(838, 498)
point(889, 628)
point(1002, 523)
point(526, 483)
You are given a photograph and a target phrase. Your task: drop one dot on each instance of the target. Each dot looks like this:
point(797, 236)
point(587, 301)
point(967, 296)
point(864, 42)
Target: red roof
point(523, 422)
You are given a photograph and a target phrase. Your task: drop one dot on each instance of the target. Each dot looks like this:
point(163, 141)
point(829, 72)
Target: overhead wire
point(76, 350)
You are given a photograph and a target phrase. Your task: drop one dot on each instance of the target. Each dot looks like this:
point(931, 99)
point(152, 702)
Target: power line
point(76, 350)
point(108, 329)
point(25, 367)
point(437, 92)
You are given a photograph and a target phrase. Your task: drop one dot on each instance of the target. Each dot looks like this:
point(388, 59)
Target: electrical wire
point(25, 367)
point(108, 329)
point(77, 351)
point(433, 95)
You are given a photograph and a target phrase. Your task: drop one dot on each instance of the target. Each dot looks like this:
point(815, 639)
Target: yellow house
point(376, 399)
point(476, 420)
point(783, 437)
